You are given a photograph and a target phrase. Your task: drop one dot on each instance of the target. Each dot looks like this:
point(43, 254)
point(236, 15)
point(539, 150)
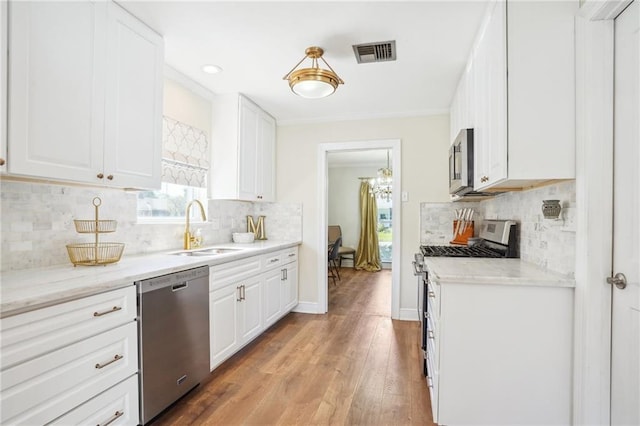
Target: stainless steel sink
point(207, 252)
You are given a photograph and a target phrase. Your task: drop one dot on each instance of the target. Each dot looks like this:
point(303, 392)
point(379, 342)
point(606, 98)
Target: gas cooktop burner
point(459, 251)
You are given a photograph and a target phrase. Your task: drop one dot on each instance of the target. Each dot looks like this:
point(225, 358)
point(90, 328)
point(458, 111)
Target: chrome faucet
point(188, 238)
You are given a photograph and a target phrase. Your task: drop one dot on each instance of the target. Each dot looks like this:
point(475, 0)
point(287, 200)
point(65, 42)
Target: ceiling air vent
point(375, 52)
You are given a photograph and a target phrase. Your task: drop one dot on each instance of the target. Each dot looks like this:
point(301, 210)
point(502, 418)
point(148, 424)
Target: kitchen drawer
point(115, 406)
point(278, 258)
point(34, 333)
point(434, 298)
point(273, 260)
point(290, 255)
point(432, 342)
point(43, 388)
point(220, 275)
point(433, 382)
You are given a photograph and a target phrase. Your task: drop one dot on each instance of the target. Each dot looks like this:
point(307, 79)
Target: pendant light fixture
point(313, 82)
point(383, 184)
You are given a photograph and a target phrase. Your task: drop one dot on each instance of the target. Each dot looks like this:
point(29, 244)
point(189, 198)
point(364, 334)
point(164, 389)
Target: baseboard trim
point(307, 308)
point(408, 315)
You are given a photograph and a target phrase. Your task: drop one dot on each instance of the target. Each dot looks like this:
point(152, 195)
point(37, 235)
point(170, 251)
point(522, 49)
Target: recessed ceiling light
point(211, 69)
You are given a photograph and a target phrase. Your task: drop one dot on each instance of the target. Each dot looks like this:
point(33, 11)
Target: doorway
point(393, 145)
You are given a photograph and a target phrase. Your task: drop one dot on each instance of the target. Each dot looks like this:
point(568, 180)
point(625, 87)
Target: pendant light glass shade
point(313, 82)
point(383, 184)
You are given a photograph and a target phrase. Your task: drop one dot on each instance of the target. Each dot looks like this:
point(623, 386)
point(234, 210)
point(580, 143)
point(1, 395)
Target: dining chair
point(332, 261)
point(334, 232)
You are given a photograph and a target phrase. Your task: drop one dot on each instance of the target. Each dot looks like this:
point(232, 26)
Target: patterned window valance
point(185, 154)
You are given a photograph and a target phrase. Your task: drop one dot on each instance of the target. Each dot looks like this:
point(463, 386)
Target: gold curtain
point(368, 254)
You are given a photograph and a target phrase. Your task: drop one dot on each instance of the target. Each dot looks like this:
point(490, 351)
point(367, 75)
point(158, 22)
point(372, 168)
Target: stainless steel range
point(500, 240)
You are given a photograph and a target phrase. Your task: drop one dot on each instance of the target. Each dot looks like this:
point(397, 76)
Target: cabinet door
point(266, 190)
point(248, 150)
point(56, 86)
point(133, 122)
point(223, 329)
point(490, 71)
point(289, 293)
point(272, 306)
point(250, 312)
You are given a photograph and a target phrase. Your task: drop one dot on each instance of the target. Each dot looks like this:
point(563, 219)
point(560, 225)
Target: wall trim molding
point(307, 308)
point(407, 314)
point(594, 200)
point(322, 181)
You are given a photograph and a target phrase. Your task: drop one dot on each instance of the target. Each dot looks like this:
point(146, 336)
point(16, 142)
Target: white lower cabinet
point(115, 406)
point(246, 297)
point(92, 347)
point(500, 354)
point(250, 311)
point(271, 306)
point(223, 327)
point(289, 288)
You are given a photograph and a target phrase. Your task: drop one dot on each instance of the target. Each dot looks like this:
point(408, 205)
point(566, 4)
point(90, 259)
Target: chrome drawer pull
point(275, 259)
point(432, 294)
point(114, 309)
point(115, 358)
point(291, 254)
point(113, 418)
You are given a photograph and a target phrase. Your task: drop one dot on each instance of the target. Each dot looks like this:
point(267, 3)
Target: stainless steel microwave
point(461, 163)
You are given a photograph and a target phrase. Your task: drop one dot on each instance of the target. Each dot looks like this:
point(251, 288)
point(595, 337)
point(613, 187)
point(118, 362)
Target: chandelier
point(313, 82)
point(382, 185)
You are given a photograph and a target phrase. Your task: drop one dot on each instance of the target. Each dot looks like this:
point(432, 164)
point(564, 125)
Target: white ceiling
point(257, 43)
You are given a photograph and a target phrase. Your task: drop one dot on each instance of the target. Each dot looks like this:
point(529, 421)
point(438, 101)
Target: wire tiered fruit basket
point(95, 253)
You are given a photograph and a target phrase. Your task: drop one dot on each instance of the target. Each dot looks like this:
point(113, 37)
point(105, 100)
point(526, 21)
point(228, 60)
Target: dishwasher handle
point(181, 286)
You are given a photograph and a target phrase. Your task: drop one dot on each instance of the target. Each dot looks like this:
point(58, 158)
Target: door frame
point(323, 173)
point(594, 199)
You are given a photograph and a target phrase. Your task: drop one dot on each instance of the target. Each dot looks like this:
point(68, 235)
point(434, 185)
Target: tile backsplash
point(37, 222)
point(548, 243)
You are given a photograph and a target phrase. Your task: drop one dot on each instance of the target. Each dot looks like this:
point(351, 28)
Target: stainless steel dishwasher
point(173, 325)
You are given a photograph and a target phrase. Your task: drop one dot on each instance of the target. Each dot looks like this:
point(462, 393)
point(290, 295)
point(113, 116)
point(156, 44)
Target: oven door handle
point(416, 271)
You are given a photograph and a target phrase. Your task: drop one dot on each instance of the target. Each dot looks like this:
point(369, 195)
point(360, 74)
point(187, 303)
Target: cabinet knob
point(2, 162)
point(110, 177)
point(484, 179)
point(100, 176)
point(259, 197)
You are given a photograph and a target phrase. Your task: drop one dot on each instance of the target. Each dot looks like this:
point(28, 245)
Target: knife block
point(462, 237)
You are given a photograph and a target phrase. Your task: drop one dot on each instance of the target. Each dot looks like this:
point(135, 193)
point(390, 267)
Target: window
point(168, 203)
point(185, 164)
point(385, 235)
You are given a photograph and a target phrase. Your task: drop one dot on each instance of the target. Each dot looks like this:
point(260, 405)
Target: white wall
point(185, 105)
point(425, 142)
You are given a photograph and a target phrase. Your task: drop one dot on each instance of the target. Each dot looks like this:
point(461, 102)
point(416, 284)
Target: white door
point(625, 350)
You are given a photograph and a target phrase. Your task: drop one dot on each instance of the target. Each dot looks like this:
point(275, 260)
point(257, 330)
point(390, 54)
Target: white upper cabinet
point(518, 94)
point(243, 150)
point(133, 119)
point(462, 107)
point(85, 94)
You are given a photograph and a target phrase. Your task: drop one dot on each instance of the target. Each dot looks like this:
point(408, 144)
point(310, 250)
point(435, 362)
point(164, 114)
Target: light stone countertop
point(493, 271)
point(25, 290)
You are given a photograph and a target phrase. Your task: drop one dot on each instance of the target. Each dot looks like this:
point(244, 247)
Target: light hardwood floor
point(353, 366)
